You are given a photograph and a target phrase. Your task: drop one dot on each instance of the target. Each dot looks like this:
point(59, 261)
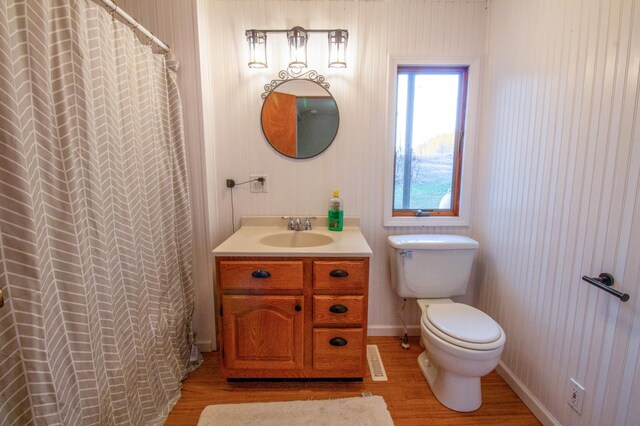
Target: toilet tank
point(431, 265)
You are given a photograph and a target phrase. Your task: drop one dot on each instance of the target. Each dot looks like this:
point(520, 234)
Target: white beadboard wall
point(558, 197)
point(354, 163)
point(557, 174)
point(175, 23)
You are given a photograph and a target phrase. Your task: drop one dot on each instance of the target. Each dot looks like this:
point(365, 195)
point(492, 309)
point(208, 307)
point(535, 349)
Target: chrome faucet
point(295, 224)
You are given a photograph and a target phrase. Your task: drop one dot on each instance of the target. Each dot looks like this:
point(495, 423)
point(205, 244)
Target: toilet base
point(459, 393)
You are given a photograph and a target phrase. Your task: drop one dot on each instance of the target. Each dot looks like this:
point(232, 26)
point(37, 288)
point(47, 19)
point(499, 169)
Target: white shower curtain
point(95, 232)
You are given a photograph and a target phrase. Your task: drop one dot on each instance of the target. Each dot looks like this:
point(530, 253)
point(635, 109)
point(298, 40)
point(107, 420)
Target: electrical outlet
point(256, 185)
point(576, 395)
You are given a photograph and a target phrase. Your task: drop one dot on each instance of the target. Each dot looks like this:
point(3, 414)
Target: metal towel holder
point(605, 281)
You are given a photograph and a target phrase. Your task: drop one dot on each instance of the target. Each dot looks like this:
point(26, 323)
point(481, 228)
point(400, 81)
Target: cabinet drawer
point(338, 309)
point(262, 275)
point(338, 348)
point(349, 274)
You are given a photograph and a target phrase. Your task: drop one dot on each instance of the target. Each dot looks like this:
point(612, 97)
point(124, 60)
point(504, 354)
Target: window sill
point(425, 221)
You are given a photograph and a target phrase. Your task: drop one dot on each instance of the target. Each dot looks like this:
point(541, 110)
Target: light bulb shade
point(338, 48)
point(297, 37)
point(257, 48)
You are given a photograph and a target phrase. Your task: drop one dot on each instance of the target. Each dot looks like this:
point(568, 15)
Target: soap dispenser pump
point(336, 212)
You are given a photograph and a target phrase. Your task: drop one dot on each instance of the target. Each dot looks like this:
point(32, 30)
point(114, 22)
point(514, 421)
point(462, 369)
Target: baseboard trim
point(392, 330)
point(536, 407)
point(204, 345)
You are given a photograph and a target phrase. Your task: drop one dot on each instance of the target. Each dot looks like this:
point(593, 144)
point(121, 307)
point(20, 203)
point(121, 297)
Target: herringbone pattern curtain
point(95, 233)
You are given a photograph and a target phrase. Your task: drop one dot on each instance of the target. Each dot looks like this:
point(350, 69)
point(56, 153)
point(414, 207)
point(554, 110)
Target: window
point(430, 141)
point(430, 109)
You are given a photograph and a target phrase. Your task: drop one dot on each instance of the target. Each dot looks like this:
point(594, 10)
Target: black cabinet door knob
point(260, 273)
point(338, 341)
point(338, 309)
point(339, 273)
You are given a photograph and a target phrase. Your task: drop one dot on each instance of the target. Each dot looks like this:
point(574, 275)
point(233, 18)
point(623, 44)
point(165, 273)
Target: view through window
point(428, 145)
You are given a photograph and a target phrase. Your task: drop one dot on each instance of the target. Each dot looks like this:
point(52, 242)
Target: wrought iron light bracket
point(288, 75)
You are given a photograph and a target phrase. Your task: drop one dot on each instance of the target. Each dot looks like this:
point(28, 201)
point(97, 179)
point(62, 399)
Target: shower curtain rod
point(113, 6)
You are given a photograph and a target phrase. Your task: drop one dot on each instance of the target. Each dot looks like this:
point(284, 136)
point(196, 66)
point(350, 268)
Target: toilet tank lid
point(432, 242)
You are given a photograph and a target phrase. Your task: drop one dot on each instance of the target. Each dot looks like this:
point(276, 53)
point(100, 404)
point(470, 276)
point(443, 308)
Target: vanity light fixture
point(338, 48)
point(297, 38)
point(257, 48)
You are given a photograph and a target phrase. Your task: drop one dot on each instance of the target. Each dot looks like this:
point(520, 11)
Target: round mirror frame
point(285, 76)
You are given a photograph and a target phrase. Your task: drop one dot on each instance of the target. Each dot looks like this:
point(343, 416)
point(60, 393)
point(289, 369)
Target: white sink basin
point(296, 239)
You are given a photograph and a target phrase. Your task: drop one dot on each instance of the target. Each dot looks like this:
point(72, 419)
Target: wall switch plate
point(257, 186)
point(576, 395)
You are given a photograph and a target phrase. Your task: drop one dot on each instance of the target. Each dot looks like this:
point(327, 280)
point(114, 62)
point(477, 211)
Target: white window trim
point(469, 147)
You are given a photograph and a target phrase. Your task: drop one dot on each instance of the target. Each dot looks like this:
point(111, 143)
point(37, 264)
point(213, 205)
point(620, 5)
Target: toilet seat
point(464, 326)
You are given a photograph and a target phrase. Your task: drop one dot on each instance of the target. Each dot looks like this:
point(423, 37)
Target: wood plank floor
point(407, 394)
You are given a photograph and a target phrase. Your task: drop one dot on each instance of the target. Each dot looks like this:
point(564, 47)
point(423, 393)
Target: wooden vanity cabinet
point(292, 317)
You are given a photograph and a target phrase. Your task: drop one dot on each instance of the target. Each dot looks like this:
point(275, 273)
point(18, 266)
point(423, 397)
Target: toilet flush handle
point(406, 253)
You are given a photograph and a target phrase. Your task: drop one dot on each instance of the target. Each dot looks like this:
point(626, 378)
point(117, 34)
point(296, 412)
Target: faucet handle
point(307, 223)
point(290, 225)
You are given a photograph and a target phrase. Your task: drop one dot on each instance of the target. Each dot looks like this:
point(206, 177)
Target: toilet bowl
point(461, 345)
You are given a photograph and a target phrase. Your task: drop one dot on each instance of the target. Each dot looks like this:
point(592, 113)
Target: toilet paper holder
point(605, 282)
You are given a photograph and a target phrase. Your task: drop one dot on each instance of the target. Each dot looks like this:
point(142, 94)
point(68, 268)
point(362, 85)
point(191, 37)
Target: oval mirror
point(300, 118)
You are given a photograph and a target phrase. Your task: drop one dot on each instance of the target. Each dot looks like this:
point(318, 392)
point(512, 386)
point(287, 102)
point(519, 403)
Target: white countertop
point(246, 240)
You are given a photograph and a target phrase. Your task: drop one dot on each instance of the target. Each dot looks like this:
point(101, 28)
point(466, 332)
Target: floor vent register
point(378, 374)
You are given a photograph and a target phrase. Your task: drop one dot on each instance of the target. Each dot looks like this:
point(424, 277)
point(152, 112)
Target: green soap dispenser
point(336, 212)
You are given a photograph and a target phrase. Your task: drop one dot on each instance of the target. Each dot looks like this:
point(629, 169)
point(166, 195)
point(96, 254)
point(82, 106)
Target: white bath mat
point(365, 411)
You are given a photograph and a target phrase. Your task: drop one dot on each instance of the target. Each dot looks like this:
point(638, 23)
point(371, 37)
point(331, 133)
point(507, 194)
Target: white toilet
point(461, 343)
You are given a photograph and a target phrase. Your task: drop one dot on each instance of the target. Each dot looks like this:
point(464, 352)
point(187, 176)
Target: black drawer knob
point(298, 308)
point(260, 273)
point(339, 273)
point(338, 309)
point(338, 341)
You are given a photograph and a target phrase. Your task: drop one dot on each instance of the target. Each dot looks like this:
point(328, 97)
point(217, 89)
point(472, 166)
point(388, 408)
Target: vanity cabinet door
point(263, 332)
